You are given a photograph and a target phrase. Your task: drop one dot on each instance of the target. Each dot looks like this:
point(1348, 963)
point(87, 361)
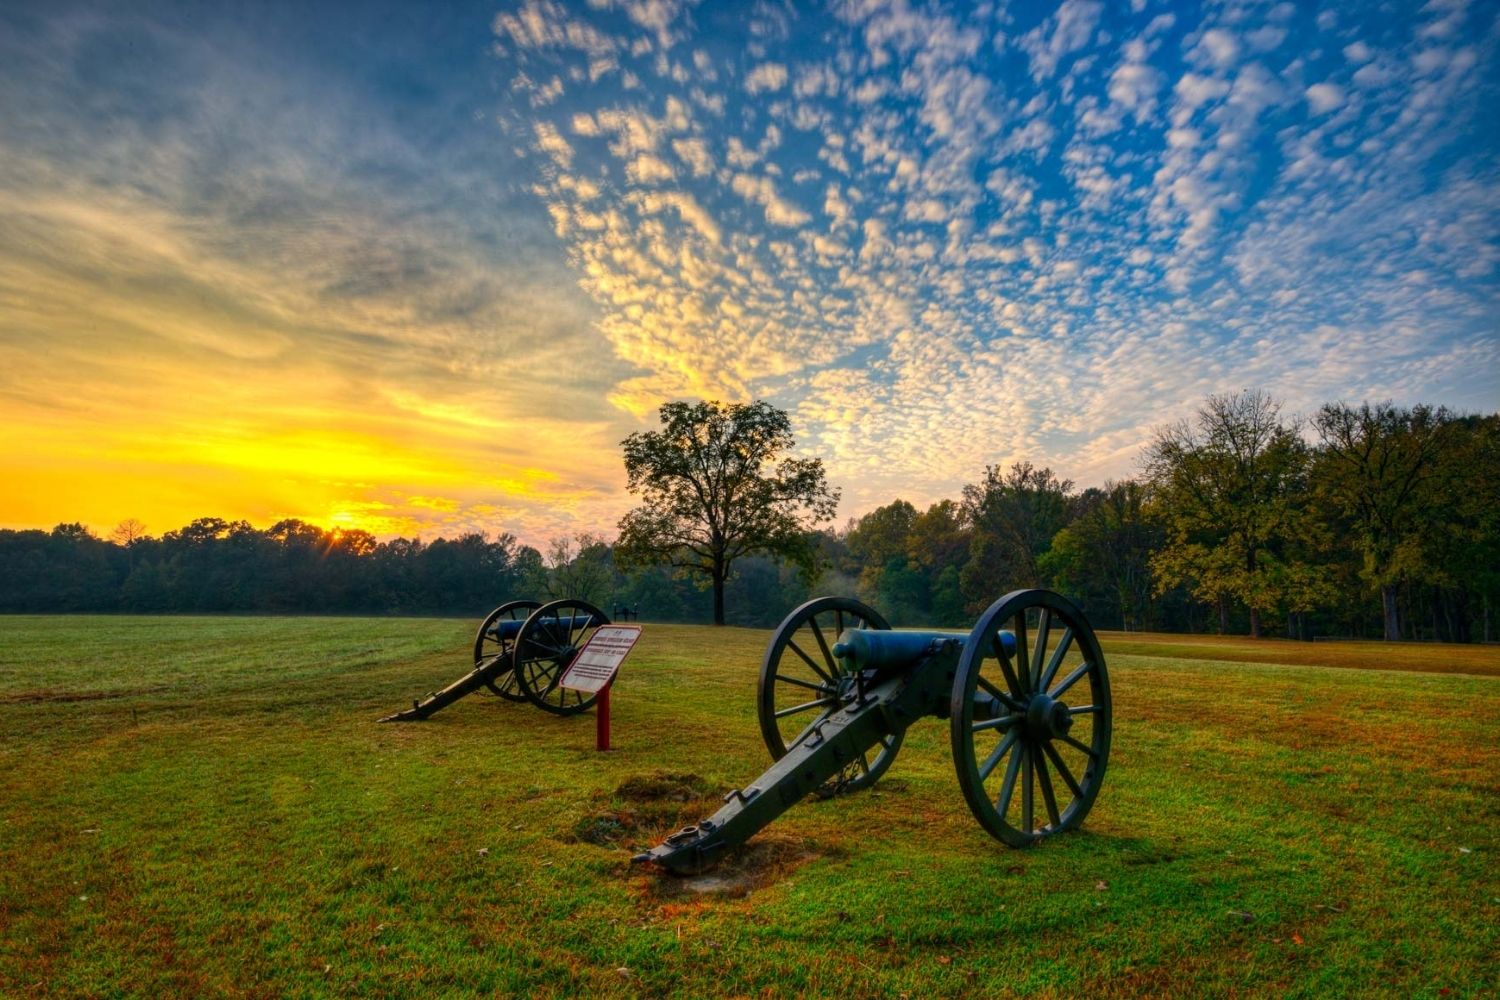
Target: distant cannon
point(833, 714)
point(521, 652)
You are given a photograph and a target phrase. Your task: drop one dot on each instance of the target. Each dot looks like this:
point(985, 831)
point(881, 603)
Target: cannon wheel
point(1049, 722)
point(546, 646)
point(801, 684)
point(488, 649)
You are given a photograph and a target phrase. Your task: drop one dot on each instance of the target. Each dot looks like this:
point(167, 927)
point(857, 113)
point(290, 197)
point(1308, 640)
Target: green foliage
point(1232, 494)
point(216, 565)
point(1014, 516)
point(1389, 525)
point(716, 484)
point(1379, 470)
point(1103, 556)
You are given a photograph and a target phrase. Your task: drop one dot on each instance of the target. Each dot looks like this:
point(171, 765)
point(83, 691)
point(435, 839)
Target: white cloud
point(762, 191)
point(1221, 48)
point(1324, 97)
point(940, 245)
point(551, 142)
point(694, 153)
point(765, 77)
point(1134, 86)
point(1065, 32)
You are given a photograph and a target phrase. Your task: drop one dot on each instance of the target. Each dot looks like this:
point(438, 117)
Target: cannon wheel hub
point(1047, 718)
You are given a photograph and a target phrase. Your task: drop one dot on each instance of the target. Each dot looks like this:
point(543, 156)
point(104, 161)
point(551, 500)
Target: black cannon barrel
point(510, 629)
point(883, 650)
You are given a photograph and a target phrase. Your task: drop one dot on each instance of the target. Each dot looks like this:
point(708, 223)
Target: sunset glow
point(420, 273)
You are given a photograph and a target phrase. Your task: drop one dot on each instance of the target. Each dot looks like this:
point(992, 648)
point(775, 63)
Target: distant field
point(205, 806)
point(1423, 657)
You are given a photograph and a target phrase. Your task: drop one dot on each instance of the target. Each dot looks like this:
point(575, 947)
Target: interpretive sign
point(599, 660)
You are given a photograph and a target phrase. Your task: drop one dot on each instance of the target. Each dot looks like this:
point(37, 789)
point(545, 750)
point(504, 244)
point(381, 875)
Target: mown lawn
point(205, 806)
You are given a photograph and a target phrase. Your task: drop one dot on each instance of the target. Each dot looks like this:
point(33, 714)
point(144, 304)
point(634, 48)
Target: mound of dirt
point(646, 807)
point(664, 786)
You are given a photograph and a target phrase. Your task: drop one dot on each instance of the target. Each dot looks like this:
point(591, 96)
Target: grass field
point(205, 806)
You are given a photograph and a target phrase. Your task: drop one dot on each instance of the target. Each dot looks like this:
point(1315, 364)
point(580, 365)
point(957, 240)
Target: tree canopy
point(1231, 490)
point(716, 484)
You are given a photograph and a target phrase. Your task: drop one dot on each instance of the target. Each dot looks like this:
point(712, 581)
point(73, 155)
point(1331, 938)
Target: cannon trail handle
point(467, 684)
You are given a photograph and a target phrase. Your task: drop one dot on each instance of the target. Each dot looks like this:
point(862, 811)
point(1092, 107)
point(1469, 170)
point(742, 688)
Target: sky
point(418, 269)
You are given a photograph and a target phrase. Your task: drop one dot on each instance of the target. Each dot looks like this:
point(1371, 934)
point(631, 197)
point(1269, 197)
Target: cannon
point(1026, 688)
point(521, 652)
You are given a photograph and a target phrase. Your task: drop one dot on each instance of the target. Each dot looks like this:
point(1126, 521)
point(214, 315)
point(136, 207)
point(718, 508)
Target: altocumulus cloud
point(945, 240)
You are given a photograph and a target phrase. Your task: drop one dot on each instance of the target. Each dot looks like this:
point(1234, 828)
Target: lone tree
point(716, 485)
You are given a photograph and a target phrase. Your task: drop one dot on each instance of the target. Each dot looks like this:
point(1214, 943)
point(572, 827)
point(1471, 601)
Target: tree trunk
point(1223, 615)
point(1388, 607)
point(719, 575)
point(1254, 622)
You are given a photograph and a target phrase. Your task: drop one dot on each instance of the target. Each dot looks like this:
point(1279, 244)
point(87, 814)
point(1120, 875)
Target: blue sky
point(422, 270)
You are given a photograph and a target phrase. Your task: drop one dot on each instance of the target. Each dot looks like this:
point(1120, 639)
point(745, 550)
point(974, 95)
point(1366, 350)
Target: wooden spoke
point(1028, 823)
point(784, 679)
point(1000, 722)
point(1005, 668)
point(1008, 788)
point(1043, 627)
point(833, 666)
point(1070, 680)
point(803, 707)
point(1001, 748)
point(809, 661)
point(1057, 658)
point(1081, 747)
point(1023, 655)
point(1062, 769)
point(1045, 781)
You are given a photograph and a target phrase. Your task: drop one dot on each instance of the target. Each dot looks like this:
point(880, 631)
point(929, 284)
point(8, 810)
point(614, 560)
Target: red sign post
point(593, 671)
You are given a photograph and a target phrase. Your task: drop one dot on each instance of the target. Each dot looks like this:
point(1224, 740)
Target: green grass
point(204, 806)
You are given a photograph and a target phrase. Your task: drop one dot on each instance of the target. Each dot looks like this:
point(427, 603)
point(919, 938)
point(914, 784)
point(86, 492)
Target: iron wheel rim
point(1056, 740)
point(546, 646)
point(489, 648)
point(813, 677)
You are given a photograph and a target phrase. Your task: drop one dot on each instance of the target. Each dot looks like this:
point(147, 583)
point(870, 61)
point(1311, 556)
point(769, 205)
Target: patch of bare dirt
point(646, 807)
point(765, 860)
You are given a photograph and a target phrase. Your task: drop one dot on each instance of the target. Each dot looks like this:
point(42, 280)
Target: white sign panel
point(600, 658)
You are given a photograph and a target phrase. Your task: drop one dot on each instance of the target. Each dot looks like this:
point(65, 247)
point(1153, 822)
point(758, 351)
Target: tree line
point(1372, 521)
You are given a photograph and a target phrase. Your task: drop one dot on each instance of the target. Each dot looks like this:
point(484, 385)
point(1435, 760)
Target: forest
point(1369, 521)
